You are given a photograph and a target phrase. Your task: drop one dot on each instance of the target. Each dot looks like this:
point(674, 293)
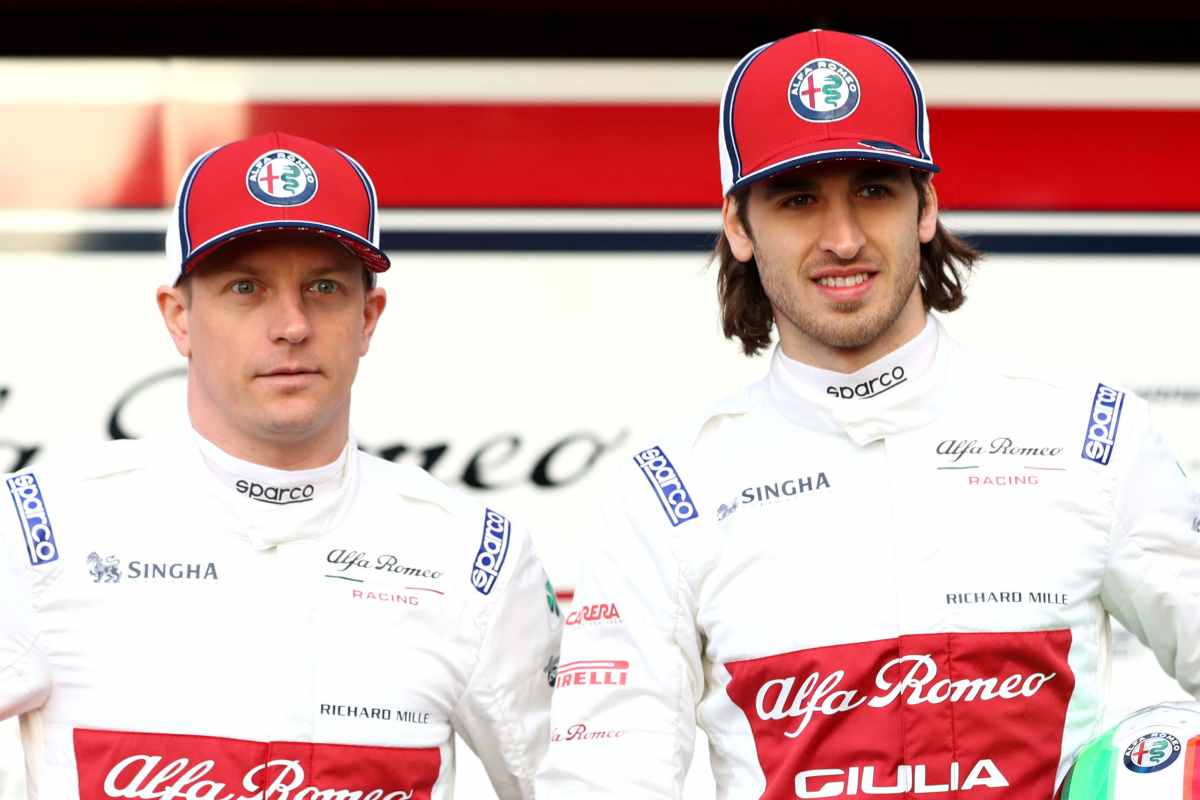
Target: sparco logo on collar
point(281, 178)
point(160, 766)
point(672, 494)
point(869, 388)
point(276, 495)
point(825, 706)
point(1102, 426)
point(492, 550)
point(34, 519)
point(823, 90)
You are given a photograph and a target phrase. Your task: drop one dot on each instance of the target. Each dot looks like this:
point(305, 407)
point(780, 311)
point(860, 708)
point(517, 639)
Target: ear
point(927, 222)
point(735, 232)
point(174, 309)
point(372, 311)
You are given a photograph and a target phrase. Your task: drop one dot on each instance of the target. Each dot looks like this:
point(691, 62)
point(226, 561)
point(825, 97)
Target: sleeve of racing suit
point(24, 671)
point(623, 721)
point(504, 714)
point(1152, 584)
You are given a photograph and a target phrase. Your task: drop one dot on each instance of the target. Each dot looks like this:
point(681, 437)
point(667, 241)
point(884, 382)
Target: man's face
point(838, 249)
point(273, 327)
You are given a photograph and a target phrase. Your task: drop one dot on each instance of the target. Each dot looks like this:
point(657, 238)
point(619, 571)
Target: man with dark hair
point(886, 568)
point(252, 606)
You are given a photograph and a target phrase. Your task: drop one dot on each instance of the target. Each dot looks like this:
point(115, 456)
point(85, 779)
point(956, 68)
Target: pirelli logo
point(35, 521)
point(672, 494)
point(1102, 425)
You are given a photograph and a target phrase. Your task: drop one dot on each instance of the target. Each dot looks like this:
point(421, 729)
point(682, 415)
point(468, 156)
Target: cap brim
point(371, 256)
point(836, 151)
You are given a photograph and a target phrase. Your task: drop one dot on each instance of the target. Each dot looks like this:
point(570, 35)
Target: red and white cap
point(273, 182)
point(816, 96)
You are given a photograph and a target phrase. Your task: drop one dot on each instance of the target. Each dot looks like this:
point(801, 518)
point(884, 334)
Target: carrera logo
point(816, 714)
point(869, 388)
point(156, 766)
point(492, 551)
point(672, 494)
point(35, 520)
point(1102, 427)
point(276, 495)
point(595, 614)
point(592, 673)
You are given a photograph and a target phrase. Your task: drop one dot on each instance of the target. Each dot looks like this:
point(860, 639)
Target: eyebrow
point(247, 269)
point(789, 182)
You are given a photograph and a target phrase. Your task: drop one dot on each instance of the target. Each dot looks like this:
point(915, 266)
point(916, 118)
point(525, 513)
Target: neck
point(288, 450)
point(808, 350)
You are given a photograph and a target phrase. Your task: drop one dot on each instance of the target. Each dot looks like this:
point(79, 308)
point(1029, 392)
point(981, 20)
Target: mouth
point(840, 282)
point(844, 284)
point(290, 372)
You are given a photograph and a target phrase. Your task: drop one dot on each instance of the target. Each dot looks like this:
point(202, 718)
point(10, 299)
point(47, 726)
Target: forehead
point(838, 171)
point(280, 250)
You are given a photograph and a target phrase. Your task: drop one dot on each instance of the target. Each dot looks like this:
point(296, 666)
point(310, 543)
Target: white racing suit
point(895, 582)
point(177, 623)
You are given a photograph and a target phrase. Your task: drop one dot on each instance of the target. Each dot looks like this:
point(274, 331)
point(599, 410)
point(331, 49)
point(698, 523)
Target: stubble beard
point(842, 325)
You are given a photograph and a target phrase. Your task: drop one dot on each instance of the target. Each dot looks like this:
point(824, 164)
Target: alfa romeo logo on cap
point(823, 90)
point(1152, 752)
point(281, 178)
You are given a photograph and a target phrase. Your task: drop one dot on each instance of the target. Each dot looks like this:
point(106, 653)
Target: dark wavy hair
point(746, 311)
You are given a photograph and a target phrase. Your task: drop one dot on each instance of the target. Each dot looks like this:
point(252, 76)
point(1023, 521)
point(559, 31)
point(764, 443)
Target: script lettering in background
point(503, 461)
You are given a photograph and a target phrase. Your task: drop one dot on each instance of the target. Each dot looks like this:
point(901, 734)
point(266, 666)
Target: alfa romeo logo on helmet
point(281, 178)
point(1152, 752)
point(823, 90)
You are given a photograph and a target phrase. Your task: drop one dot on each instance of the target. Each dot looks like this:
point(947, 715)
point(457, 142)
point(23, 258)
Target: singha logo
point(104, 570)
point(725, 510)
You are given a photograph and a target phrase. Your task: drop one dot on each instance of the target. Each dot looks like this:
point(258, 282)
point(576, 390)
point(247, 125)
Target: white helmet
point(1154, 754)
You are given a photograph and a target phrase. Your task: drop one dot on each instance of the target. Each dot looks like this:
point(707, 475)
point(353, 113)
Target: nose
point(289, 320)
point(841, 233)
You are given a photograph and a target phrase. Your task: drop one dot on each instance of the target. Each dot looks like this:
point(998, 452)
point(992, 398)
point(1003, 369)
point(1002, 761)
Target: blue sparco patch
point(492, 551)
point(34, 519)
point(823, 90)
point(668, 486)
point(281, 178)
point(1102, 424)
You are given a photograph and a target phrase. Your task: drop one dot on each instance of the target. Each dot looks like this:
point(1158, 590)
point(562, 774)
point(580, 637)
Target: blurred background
point(549, 190)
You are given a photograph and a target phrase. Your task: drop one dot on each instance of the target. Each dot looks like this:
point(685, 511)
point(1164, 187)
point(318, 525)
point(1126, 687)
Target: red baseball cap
point(273, 182)
point(816, 96)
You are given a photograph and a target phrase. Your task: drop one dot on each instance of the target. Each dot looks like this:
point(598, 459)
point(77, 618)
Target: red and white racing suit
point(177, 623)
point(895, 582)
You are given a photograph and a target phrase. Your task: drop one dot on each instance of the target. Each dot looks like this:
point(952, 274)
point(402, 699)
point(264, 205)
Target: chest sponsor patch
point(668, 486)
point(158, 766)
point(34, 519)
point(931, 715)
point(1102, 424)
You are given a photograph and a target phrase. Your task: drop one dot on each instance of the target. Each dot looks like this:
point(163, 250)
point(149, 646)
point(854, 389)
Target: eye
point(242, 287)
point(877, 190)
point(799, 200)
point(324, 286)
